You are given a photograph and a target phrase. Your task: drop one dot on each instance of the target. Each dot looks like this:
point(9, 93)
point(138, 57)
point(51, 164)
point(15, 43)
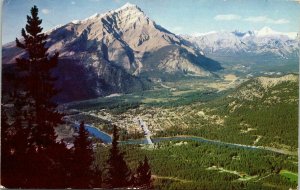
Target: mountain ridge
point(251, 43)
point(113, 47)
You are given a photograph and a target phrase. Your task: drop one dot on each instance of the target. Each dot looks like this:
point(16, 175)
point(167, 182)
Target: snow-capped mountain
point(115, 49)
point(252, 43)
point(268, 32)
point(128, 38)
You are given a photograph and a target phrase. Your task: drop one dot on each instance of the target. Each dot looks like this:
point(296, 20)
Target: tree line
point(31, 155)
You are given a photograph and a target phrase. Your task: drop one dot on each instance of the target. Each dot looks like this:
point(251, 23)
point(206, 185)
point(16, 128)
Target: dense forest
point(195, 165)
point(274, 121)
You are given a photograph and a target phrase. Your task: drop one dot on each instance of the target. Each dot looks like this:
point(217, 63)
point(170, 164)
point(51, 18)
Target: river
point(107, 139)
point(96, 133)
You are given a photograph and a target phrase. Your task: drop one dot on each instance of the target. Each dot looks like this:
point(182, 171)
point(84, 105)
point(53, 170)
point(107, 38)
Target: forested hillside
point(261, 112)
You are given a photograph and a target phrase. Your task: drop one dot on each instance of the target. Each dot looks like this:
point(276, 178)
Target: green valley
point(260, 112)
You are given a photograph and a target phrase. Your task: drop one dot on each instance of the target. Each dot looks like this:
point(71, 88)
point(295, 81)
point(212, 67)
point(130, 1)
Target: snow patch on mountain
point(75, 21)
point(266, 31)
point(126, 6)
point(263, 32)
point(258, 42)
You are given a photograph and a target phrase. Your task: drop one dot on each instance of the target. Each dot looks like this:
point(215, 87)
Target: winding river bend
point(108, 139)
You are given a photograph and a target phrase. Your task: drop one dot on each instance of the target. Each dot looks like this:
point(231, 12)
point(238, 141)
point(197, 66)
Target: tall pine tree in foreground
point(118, 173)
point(29, 139)
point(35, 69)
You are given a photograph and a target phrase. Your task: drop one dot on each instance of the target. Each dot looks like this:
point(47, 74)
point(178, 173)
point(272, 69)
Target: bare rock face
point(108, 53)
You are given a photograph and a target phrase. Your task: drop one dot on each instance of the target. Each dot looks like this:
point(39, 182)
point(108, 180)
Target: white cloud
point(45, 11)
point(254, 19)
point(73, 2)
point(227, 17)
point(265, 19)
point(195, 34)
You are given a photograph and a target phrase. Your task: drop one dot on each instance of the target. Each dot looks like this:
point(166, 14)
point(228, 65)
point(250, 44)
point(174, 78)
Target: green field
point(293, 177)
point(175, 94)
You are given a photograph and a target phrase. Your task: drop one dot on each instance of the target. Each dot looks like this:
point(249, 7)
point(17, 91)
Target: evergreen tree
point(143, 174)
point(82, 172)
point(32, 157)
point(118, 173)
point(35, 72)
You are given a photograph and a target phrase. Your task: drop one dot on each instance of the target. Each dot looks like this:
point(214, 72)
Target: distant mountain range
point(254, 45)
point(117, 51)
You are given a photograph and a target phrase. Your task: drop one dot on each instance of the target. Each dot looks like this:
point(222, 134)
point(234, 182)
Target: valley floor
point(260, 113)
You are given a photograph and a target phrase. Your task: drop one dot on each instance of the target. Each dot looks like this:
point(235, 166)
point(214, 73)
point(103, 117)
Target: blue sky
point(178, 16)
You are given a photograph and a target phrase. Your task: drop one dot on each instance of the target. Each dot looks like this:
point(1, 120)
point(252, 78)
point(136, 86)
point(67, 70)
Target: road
point(145, 129)
point(200, 139)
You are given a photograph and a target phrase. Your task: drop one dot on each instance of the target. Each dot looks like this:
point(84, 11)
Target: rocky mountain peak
point(128, 6)
point(128, 14)
point(118, 50)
